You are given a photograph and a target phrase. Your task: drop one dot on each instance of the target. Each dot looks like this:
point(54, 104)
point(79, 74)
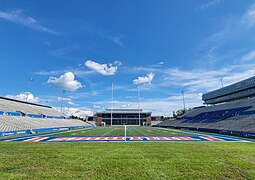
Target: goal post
point(125, 132)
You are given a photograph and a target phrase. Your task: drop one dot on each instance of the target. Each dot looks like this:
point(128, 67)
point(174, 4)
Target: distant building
point(157, 118)
point(123, 117)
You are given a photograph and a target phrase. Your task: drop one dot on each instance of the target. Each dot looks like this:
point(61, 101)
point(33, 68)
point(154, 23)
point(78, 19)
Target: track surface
point(134, 134)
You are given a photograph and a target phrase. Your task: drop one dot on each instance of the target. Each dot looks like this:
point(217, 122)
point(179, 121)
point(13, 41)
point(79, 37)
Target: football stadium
point(127, 89)
point(204, 143)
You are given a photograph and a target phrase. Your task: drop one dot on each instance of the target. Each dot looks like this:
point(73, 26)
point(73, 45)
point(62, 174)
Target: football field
point(128, 134)
point(70, 155)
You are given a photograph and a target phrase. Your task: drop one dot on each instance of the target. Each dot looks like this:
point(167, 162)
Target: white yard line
point(107, 132)
point(45, 134)
point(169, 129)
point(209, 134)
point(140, 132)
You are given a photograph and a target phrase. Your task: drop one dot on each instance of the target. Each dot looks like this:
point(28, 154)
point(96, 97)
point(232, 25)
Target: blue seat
point(13, 114)
point(216, 116)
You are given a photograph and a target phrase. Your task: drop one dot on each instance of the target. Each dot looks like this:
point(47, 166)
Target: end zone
point(134, 139)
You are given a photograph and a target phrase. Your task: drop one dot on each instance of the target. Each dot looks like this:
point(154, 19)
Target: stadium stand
point(154, 123)
point(18, 117)
point(236, 117)
point(232, 118)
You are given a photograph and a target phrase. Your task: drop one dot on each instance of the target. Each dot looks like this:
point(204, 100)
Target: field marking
point(140, 132)
point(200, 137)
point(39, 135)
point(130, 139)
point(169, 129)
point(107, 132)
point(210, 138)
point(220, 136)
point(215, 135)
point(36, 139)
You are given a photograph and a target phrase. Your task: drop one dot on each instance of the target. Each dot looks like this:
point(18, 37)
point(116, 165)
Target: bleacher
point(231, 117)
point(214, 116)
point(17, 116)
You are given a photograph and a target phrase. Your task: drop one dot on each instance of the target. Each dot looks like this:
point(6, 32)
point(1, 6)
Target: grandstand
point(229, 110)
point(18, 117)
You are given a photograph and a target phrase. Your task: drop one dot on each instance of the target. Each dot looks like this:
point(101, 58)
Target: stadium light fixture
point(28, 88)
point(112, 103)
point(63, 91)
point(138, 95)
point(183, 100)
point(221, 80)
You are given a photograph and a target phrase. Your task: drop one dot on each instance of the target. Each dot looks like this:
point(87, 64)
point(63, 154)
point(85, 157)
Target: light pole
point(63, 91)
point(183, 99)
point(138, 95)
point(221, 80)
point(28, 88)
point(112, 104)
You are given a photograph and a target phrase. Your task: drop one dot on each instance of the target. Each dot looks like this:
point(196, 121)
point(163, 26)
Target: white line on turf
point(29, 137)
point(140, 132)
point(209, 134)
point(107, 132)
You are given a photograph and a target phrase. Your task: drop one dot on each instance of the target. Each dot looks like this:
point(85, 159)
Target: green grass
point(192, 160)
point(119, 131)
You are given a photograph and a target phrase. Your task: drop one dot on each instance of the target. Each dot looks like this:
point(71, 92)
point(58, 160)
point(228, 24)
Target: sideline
point(236, 138)
point(41, 135)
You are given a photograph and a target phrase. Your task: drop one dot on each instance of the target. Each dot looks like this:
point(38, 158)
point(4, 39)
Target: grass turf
point(193, 160)
point(119, 131)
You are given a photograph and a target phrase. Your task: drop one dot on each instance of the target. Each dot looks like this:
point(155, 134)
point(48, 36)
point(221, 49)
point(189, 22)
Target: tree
point(174, 115)
point(181, 112)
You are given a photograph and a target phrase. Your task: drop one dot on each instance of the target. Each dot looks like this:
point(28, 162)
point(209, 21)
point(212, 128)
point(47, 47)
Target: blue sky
point(83, 46)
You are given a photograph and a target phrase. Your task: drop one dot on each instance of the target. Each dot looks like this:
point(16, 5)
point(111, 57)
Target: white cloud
point(117, 63)
point(204, 80)
point(90, 28)
point(24, 96)
point(68, 100)
point(209, 4)
point(79, 112)
point(249, 56)
point(117, 40)
point(125, 105)
point(249, 16)
point(97, 107)
point(164, 106)
point(18, 17)
point(66, 82)
point(72, 103)
point(63, 51)
point(144, 79)
point(64, 99)
point(104, 69)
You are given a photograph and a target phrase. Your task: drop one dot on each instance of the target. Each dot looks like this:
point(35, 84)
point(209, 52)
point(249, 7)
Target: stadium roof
point(14, 100)
point(244, 88)
point(123, 111)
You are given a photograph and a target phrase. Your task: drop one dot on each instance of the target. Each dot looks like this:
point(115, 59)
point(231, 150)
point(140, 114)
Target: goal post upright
point(125, 132)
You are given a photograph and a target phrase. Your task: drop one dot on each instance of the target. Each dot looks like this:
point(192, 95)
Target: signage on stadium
point(237, 90)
